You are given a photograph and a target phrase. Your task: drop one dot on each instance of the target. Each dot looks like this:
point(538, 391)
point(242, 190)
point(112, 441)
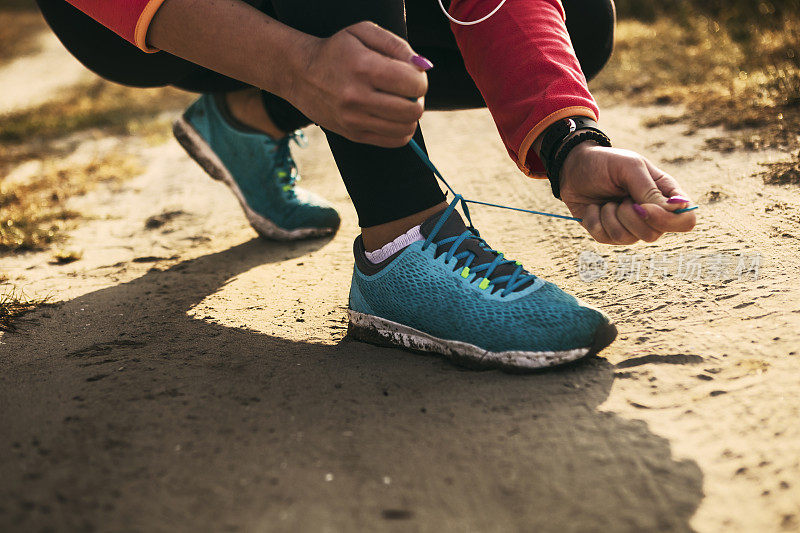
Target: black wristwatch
point(554, 150)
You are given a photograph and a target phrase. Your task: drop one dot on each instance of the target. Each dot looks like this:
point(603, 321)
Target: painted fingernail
point(641, 211)
point(678, 200)
point(421, 62)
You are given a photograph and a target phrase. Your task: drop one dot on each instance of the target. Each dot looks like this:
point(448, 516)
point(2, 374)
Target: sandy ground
point(34, 79)
point(194, 378)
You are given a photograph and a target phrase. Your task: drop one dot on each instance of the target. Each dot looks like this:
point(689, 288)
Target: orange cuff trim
point(143, 24)
point(538, 129)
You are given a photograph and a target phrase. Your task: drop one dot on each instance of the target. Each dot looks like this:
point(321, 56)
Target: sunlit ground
point(750, 86)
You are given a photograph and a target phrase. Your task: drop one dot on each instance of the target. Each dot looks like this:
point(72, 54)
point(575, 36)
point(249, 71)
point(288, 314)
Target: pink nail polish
point(641, 211)
point(421, 62)
point(678, 200)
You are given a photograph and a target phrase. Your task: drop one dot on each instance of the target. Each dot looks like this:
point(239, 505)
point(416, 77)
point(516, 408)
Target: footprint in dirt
point(217, 428)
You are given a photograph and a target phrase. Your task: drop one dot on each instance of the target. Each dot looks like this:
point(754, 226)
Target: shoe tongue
point(453, 227)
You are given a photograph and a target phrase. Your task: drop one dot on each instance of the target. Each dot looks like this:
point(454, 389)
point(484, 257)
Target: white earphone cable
point(471, 22)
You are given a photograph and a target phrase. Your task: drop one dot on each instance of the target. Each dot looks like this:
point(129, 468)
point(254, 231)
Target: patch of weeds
point(65, 257)
point(679, 160)
point(712, 197)
point(32, 213)
point(14, 304)
point(32, 209)
point(157, 221)
point(98, 104)
point(663, 120)
point(742, 74)
point(782, 173)
point(725, 145)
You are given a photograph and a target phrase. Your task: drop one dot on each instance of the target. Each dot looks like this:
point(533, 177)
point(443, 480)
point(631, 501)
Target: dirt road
point(195, 378)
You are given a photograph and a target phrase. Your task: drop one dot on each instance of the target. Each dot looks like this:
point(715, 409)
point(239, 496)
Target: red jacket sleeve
point(130, 19)
point(524, 65)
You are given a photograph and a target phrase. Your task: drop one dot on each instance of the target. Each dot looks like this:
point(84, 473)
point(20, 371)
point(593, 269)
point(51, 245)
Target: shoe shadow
point(121, 412)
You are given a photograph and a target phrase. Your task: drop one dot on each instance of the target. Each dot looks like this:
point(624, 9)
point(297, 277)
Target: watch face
point(572, 125)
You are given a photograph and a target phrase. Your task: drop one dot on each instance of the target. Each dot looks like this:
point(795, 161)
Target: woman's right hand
point(361, 83)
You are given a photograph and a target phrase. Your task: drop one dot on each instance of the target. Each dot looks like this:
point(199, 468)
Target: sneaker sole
point(199, 150)
point(382, 332)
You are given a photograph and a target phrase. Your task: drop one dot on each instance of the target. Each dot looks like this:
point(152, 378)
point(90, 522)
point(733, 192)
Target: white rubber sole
point(199, 150)
point(376, 330)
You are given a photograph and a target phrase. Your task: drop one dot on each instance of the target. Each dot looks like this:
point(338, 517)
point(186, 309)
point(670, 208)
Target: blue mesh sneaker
point(452, 294)
point(259, 170)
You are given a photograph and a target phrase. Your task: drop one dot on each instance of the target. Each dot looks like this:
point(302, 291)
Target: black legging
point(384, 184)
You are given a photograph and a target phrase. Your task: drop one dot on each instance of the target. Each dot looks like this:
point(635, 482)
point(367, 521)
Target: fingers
point(676, 198)
point(381, 97)
point(396, 77)
point(634, 177)
point(388, 120)
point(592, 224)
point(370, 126)
point(648, 184)
point(660, 216)
point(633, 218)
point(388, 68)
point(629, 200)
point(382, 41)
point(612, 225)
point(394, 109)
point(664, 221)
point(382, 141)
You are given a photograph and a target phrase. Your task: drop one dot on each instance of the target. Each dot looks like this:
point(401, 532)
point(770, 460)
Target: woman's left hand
point(621, 196)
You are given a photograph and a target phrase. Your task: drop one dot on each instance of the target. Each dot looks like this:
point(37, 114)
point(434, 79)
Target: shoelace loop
point(285, 167)
point(513, 281)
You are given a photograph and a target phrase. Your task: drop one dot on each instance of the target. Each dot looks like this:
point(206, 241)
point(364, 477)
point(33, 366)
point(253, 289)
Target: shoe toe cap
point(313, 211)
point(562, 321)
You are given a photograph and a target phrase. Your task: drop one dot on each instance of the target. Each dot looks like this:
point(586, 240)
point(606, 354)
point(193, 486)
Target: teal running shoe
point(451, 294)
point(259, 170)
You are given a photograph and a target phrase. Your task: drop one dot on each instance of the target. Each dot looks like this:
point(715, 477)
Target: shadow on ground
point(120, 412)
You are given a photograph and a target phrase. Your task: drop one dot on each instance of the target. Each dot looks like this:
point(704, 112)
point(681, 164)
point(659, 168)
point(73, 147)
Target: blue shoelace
point(285, 167)
point(517, 279)
point(425, 159)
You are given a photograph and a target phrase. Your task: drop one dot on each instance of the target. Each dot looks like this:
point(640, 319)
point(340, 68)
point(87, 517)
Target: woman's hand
point(361, 83)
point(621, 196)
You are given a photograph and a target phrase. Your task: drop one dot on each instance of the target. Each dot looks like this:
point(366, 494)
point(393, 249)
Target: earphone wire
point(471, 22)
point(464, 201)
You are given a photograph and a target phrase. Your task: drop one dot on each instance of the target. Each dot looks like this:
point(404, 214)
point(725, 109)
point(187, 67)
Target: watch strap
point(557, 160)
point(555, 134)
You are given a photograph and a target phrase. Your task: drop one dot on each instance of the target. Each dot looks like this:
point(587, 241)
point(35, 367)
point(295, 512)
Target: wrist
point(575, 157)
point(560, 139)
point(297, 67)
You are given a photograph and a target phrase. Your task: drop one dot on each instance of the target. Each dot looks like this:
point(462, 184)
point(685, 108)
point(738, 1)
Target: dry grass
point(750, 87)
point(33, 213)
point(65, 257)
point(14, 304)
point(783, 173)
point(99, 104)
